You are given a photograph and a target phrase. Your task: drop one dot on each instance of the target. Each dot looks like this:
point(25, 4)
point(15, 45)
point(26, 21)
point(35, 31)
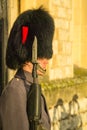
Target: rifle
point(34, 95)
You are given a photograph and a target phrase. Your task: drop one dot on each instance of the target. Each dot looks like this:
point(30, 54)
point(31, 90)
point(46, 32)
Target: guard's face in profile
point(42, 65)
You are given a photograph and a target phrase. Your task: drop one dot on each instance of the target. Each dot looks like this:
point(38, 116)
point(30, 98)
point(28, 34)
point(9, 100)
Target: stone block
point(65, 48)
point(68, 48)
point(55, 47)
point(56, 2)
point(63, 3)
point(56, 73)
point(62, 12)
point(68, 71)
point(62, 23)
point(64, 35)
point(61, 60)
point(66, 3)
point(68, 60)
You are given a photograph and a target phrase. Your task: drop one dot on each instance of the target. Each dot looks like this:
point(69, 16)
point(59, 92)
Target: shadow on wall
point(67, 119)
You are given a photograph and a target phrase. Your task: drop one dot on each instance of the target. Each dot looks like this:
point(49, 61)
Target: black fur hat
point(40, 24)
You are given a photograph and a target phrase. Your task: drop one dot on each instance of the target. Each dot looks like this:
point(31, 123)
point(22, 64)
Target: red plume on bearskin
point(25, 30)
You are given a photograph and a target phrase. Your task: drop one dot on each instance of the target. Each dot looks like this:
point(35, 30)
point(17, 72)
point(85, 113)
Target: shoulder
point(14, 88)
point(14, 97)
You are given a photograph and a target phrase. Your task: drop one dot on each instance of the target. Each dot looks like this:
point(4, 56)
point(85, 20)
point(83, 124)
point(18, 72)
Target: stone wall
point(61, 63)
point(69, 116)
point(67, 103)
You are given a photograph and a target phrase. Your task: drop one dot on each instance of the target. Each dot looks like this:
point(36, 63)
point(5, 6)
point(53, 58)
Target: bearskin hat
point(37, 22)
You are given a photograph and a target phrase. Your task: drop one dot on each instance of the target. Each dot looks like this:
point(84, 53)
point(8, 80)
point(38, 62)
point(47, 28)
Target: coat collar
point(25, 75)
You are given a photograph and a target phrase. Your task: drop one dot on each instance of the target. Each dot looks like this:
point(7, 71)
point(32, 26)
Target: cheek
point(43, 63)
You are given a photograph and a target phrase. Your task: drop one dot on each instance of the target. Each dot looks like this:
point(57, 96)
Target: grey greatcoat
point(13, 101)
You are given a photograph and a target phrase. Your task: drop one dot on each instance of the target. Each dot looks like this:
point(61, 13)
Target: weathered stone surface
point(61, 64)
point(62, 118)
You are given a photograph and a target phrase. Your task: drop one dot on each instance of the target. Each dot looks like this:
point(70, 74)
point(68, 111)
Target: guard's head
point(36, 22)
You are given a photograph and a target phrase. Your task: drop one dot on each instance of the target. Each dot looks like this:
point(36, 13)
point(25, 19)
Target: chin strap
point(41, 69)
point(38, 68)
